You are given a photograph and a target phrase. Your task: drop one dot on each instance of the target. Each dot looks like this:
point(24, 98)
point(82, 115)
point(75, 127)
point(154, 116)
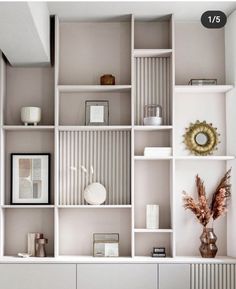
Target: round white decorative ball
point(95, 194)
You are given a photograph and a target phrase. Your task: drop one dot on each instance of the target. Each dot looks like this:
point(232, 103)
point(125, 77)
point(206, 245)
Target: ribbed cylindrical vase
point(152, 217)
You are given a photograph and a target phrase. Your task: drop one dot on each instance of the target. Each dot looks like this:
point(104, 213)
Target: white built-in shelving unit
point(152, 64)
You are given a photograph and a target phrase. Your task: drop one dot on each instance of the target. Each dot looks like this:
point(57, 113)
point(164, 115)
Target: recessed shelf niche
point(190, 107)
point(20, 222)
point(29, 86)
point(151, 138)
point(28, 142)
point(108, 152)
point(187, 228)
point(152, 86)
point(199, 53)
point(72, 107)
point(144, 243)
point(152, 34)
point(152, 186)
point(78, 226)
point(90, 49)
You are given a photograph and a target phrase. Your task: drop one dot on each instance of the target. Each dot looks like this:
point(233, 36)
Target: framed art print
point(30, 179)
point(97, 112)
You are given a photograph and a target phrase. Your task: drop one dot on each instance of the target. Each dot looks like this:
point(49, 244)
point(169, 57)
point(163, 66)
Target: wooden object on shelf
point(41, 247)
point(107, 79)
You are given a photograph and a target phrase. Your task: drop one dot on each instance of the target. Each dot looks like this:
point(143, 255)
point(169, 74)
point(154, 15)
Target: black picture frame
point(12, 178)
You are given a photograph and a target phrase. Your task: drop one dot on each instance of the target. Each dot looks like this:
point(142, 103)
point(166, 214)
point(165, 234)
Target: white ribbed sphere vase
point(95, 194)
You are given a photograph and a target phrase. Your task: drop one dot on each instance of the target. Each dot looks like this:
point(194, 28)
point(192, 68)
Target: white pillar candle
point(152, 217)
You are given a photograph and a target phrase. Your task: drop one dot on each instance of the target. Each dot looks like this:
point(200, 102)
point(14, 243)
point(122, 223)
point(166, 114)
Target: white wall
point(230, 57)
point(24, 32)
point(230, 49)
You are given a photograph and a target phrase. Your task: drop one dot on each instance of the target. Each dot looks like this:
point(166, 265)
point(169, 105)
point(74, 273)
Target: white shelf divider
point(94, 88)
point(203, 89)
point(28, 206)
point(152, 52)
point(28, 127)
point(152, 127)
point(94, 206)
point(204, 158)
point(93, 128)
point(153, 230)
point(144, 158)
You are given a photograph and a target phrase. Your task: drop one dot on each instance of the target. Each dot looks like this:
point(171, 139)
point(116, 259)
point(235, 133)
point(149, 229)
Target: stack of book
point(159, 252)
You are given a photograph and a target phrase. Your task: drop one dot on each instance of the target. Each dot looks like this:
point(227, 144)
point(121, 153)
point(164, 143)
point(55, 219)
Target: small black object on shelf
point(159, 252)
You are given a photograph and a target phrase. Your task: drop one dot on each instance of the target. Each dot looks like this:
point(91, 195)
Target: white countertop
point(96, 260)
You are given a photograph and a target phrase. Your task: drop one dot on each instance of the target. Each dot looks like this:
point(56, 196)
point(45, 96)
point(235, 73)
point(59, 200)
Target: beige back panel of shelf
point(89, 50)
point(28, 142)
point(187, 228)
point(151, 34)
point(72, 107)
point(152, 86)
point(19, 222)
point(29, 86)
point(200, 52)
point(152, 186)
point(109, 154)
point(78, 226)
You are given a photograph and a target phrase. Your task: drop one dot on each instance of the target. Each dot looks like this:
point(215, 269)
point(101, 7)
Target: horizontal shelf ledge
point(153, 230)
point(152, 127)
point(76, 259)
point(144, 158)
point(100, 127)
point(94, 88)
point(202, 158)
point(95, 206)
point(152, 52)
point(28, 206)
point(28, 127)
point(203, 89)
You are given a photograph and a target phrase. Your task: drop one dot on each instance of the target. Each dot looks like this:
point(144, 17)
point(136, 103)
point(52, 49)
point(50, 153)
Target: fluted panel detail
point(213, 276)
point(108, 152)
point(152, 86)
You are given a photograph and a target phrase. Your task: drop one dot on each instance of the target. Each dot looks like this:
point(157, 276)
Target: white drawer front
point(37, 276)
point(117, 276)
point(174, 276)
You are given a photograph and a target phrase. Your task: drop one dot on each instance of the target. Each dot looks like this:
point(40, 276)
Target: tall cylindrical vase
point(208, 248)
point(152, 217)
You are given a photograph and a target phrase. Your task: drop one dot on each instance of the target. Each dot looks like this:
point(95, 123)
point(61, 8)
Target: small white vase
point(95, 194)
point(30, 115)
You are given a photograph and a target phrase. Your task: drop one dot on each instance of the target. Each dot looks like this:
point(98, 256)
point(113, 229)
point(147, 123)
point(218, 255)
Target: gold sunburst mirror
point(201, 138)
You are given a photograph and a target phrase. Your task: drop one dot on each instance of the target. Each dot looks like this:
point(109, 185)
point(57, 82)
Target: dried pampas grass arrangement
point(202, 209)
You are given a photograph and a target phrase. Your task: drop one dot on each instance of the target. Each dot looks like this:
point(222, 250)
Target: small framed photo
point(30, 179)
point(97, 112)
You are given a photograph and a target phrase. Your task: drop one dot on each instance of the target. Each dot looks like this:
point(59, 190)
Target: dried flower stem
point(201, 209)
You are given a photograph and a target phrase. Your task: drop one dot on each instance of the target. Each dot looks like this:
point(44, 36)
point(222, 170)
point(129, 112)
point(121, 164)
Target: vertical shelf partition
point(24, 86)
point(106, 148)
point(152, 82)
point(2, 149)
